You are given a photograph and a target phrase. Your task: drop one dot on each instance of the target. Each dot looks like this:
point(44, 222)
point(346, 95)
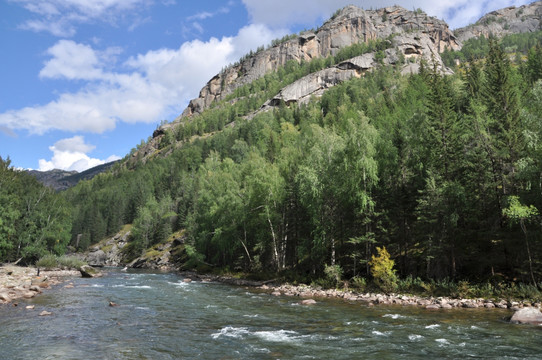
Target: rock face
point(409, 46)
point(159, 257)
point(510, 20)
point(350, 26)
point(528, 315)
point(108, 253)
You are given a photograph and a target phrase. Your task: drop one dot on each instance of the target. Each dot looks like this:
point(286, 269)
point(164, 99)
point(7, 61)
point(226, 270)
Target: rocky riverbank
point(372, 299)
point(305, 292)
point(18, 282)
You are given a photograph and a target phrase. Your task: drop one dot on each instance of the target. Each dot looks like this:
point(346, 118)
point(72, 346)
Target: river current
point(161, 317)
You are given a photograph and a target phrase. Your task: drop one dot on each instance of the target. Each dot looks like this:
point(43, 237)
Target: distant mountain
point(62, 180)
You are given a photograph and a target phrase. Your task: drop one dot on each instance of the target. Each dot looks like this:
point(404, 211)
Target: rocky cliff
point(349, 26)
point(412, 36)
point(510, 20)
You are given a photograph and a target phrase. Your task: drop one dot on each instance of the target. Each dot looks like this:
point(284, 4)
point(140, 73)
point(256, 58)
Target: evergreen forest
point(443, 172)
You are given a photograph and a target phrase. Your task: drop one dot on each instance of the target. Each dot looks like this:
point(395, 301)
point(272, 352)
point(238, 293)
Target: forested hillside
point(444, 171)
point(34, 219)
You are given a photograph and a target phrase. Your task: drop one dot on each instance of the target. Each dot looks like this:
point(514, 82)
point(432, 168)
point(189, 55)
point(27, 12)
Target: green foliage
point(333, 274)
point(358, 283)
point(48, 262)
point(382, 270)
point(420, 164)
point(51, 261)
point(34, 220)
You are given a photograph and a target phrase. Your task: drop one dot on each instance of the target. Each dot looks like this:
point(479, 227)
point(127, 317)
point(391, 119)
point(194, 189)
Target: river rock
point(433, 307)
point(35, 288)
point(89, 272)
point(29, 294)
point(45, 313)
point(308, 302)
point(276, 293)
point(5, 297)
point(528, 315)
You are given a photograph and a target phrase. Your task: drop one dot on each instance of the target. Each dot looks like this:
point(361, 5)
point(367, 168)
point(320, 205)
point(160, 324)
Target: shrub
point(70, 262)
point(48, 261)
point(51, 261)
point(334, 274)
point(359, 283)
point(382, 270)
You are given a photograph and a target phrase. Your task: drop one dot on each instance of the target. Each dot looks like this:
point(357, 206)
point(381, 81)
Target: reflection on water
point(160, 317)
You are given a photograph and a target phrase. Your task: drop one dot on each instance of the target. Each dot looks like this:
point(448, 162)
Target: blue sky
point(84, 81)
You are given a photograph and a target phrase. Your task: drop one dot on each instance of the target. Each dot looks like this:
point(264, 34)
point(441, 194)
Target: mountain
point(314, 154)
point(349, 26)
point(510, 20)
point(62, 180)
point(53, 178)
point(408, 37)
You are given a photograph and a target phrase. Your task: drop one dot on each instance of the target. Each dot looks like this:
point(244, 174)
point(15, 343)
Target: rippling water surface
point(160, 317)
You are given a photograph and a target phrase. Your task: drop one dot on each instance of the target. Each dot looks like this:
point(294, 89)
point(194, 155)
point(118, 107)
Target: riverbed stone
point(5, 297)
point(308, 302)
point(29, 294)
point(89, 272)
point(527, 315)
point(35, 288)
point(45, 313)
point(432, 307)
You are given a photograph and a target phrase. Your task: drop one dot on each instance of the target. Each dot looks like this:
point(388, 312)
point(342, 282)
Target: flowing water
point(160, 317)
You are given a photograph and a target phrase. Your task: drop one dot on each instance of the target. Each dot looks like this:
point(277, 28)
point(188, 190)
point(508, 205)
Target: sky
point(82, 82)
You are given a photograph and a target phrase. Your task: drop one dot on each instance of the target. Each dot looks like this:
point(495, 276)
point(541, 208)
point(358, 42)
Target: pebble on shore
point(18, 282)
point(371, 299)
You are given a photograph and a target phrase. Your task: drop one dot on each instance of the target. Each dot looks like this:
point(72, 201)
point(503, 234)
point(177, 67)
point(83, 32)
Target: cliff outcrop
point(510, 20)
point(349, 26)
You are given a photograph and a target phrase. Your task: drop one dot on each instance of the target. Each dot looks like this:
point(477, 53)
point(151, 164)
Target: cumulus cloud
point(145, 88)
point(71, 61)
point(60, 17)
point(71, 154)
point(284, 13)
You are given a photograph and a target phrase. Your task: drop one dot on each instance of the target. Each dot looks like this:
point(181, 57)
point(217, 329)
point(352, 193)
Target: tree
point(382, 270)
point(516, 212)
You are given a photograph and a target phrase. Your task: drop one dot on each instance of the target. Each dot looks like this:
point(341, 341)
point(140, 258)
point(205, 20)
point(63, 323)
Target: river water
point(160, 317)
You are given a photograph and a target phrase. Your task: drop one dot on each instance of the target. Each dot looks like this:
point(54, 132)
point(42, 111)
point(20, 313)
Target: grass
point(51, 261)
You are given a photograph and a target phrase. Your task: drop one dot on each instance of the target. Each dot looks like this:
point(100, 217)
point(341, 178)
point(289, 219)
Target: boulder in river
point(308, 302)
point(88, 271)
point(527, 315)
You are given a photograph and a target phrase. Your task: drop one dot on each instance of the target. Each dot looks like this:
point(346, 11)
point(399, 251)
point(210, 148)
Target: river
point(160, 317)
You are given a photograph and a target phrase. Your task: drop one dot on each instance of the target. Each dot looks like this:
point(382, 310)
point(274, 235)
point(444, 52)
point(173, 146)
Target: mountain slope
point(510, 20)
point(426, 165)
point(351, 25)
point(404, 38)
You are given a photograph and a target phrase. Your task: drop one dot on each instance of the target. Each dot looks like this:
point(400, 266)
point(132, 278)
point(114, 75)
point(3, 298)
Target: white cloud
point(60, 17)
point(207, 15)
point(72, 61)
point(147, 88)
point(284, 13)
point(71, 154)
